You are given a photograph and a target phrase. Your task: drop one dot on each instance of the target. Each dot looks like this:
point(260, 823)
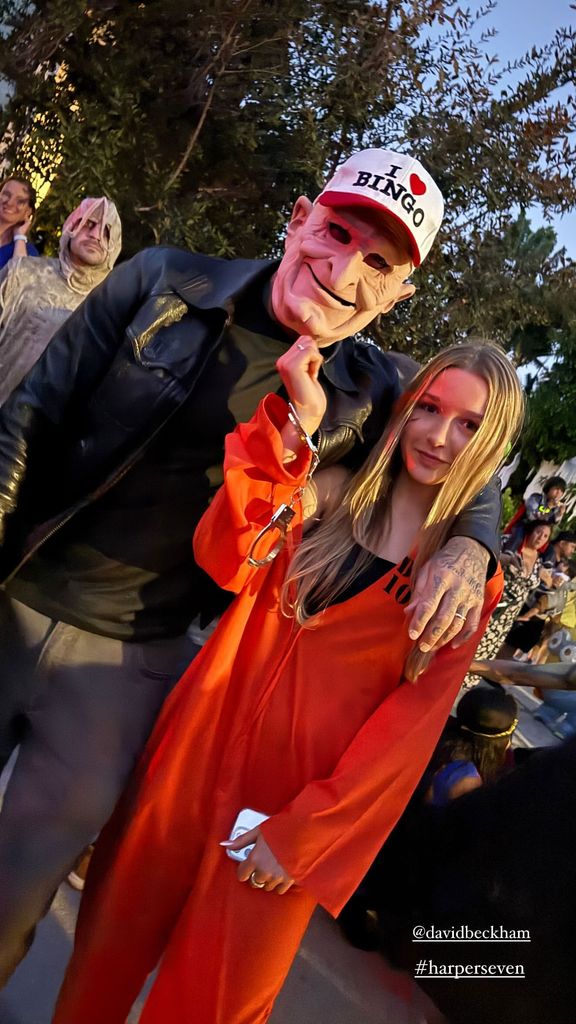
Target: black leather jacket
point(122, 365)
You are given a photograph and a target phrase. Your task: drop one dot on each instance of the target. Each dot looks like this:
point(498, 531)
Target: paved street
point(330, 983)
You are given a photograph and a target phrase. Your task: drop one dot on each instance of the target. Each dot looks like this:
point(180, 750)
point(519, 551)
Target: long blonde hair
point(320, 568)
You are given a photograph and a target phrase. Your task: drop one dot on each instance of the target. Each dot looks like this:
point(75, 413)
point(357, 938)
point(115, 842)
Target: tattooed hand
point(449, 593)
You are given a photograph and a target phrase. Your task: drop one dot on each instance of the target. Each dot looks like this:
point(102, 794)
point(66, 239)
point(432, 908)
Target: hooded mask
point(83, 279)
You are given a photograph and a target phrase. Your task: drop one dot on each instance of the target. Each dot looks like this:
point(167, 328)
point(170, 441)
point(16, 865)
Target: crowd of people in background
point(113, 387)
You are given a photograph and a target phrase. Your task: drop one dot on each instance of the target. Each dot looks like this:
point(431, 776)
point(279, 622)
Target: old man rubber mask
point(348, 255)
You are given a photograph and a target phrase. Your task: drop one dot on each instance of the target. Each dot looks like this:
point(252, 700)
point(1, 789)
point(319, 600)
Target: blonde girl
point(299, 706)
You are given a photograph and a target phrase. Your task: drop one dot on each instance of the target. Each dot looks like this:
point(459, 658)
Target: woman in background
point(17, 205)
point(475, 746)
point(474, 749)
point(523, 574)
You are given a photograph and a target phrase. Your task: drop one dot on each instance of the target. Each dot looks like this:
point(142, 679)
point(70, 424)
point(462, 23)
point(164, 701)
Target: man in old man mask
point(111, 449)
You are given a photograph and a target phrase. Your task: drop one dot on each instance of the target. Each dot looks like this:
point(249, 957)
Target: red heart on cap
point(417, 186)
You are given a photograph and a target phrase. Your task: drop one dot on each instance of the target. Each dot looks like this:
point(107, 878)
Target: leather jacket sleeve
point(361, 385)
point(480, 521)
point(76, 358)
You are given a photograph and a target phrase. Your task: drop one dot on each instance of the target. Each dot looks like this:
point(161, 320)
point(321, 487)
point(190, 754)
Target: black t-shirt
point(123, 566)
point(374, 570)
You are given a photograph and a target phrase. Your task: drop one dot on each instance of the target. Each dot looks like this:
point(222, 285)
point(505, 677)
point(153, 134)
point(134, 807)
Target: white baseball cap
point(395, 183)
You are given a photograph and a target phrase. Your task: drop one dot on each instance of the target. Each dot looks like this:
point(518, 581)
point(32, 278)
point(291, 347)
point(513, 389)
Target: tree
point(550, 432)
point(205, 121)
point(512, 285)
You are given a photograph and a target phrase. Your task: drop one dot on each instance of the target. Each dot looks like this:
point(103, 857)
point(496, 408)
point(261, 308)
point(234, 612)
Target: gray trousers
point(85, 705)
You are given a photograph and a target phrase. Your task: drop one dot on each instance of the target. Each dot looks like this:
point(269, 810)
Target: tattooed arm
point(448, 594)
point(449, 591)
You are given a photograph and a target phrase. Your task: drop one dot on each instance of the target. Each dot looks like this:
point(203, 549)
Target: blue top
point(7, 252)
point(447, 776)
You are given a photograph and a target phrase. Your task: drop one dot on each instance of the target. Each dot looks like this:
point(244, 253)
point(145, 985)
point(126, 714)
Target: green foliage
point(205, 121)
point(550, 432)
point(510, 505)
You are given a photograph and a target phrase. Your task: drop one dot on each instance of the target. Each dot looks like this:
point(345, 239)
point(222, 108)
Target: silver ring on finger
point(301, 347)
point(254, 883)
point(458, 615)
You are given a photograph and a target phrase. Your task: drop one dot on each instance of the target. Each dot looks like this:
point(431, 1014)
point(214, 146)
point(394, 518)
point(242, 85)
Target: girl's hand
point(24, 227)
point(261, 865)
point(299, 368)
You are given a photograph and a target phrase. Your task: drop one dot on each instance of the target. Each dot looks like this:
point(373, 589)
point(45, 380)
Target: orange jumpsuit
point(313, 727)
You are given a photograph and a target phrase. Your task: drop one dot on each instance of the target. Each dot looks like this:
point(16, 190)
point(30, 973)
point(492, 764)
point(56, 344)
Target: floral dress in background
point(517, 588)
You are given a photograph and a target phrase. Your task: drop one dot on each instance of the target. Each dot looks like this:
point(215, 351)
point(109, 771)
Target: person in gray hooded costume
point(38, 295)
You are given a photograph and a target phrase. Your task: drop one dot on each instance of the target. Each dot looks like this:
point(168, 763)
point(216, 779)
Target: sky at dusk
point(522, 24)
